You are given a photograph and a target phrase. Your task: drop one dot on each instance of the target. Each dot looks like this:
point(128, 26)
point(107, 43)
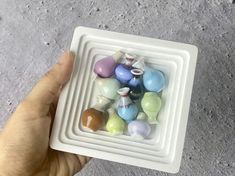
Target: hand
point(24, 141)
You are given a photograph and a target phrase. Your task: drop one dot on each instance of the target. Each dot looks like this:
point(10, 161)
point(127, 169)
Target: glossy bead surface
point(123, 74)
point(127, 110)
point(105, 67)
point(108, 87)
point(139, 129)
point(151, 105)
point(154, 80)
point(93, 119)
point(115, 125)
point(123, 71)
point(135, 84)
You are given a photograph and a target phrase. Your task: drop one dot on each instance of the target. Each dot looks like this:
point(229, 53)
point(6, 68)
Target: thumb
point(45, 91)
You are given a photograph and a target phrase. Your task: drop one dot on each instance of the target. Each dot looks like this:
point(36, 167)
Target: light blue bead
point(128, 113)
point(154, 80)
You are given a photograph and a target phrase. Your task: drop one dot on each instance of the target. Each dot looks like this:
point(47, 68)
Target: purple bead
point(139, 129)
point(105, 67)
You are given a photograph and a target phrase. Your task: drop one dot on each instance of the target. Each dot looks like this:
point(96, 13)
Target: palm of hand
point(29, 148)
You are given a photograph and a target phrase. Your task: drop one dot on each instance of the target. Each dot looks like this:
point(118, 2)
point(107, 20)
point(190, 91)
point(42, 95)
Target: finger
point(55, 101)
point(82, 160)
point(88, 159)
point(46, 90)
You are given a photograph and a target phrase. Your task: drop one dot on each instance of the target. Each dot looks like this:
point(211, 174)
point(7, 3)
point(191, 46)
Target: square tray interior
point(163, 149)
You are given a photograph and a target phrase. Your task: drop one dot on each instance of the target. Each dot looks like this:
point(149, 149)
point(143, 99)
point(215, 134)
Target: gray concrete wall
point(33, 33)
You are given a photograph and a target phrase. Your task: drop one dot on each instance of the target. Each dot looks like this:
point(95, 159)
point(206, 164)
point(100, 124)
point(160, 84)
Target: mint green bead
point(108, 87)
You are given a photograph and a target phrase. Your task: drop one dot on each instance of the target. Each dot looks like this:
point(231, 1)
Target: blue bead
point(136, 88)
point(128, 113)
point(154, 80)
point(123, 74)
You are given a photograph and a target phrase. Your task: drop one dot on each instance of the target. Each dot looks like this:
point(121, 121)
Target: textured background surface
point(33, 33)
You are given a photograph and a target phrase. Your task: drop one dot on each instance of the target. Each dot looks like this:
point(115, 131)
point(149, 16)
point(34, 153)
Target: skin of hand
point(24, 141)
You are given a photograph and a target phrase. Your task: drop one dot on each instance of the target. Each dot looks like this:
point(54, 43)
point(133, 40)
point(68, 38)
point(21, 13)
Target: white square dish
point(163, 149)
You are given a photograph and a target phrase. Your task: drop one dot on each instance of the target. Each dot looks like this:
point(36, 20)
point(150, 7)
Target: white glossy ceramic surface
point(163, 149)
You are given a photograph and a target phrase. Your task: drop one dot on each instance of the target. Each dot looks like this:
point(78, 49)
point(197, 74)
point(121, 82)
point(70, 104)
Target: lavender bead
point(139, 129)
point(106, 66)
point(106, 71)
